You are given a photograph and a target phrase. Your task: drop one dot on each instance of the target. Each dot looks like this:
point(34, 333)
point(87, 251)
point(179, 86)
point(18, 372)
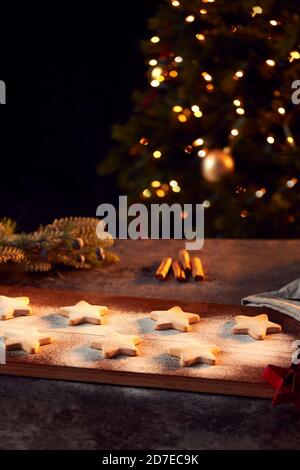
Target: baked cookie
point(257, 327)
point(194, 352)
point(11, 307)
point(83, 312)
point(115, 344)
point(174, 318)
point(27, 339)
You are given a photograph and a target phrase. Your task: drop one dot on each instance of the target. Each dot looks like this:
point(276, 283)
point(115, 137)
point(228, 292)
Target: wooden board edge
point(135, 379)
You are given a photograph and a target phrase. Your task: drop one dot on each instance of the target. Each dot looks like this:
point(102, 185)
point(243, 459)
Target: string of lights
point(210, 107)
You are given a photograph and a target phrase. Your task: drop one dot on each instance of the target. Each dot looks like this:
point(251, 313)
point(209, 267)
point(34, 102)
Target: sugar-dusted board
point(69, 357)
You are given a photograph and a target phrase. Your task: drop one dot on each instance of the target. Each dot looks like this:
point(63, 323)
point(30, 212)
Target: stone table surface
point(43, 414)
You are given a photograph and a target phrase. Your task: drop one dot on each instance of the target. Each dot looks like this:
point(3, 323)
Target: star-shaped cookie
point(11, 307)
point(174, 318)
point(115, 344)
point(83, 312)
point(194, 352)
point(28, 339)
point(257, 327)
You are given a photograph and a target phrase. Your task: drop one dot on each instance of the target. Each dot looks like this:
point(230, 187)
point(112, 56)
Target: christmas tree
point(216, 123)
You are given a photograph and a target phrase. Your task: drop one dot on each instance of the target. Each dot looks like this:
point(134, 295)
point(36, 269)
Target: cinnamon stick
point(197, 269)
point(163, 268)
point(185, 261)
point(179, 273)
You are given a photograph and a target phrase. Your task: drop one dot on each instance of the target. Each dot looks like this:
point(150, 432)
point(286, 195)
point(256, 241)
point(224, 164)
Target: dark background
point(69, 73)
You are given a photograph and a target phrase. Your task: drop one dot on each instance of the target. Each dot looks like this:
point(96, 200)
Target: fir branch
point(15, 255)
point(70, 242)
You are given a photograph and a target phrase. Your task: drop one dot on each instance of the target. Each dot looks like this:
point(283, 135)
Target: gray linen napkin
point(286, 300)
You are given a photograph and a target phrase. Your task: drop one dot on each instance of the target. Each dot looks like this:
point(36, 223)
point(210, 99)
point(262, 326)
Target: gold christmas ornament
point(217, 165)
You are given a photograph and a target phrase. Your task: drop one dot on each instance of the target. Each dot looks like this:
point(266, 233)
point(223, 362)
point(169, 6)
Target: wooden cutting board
point(240, 362)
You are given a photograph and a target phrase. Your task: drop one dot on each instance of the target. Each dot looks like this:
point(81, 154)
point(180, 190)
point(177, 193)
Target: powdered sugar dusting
point(240, 357)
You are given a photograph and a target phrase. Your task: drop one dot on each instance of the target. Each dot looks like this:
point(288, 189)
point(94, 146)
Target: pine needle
point(70, 242)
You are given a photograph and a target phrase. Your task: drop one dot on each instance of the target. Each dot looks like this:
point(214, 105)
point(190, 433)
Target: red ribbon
point(286, 383)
